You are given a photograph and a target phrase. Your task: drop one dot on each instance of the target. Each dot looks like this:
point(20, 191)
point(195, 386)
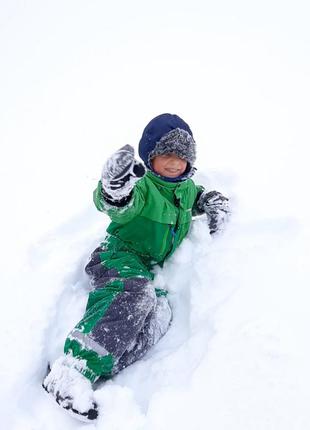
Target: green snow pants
point(124, 315)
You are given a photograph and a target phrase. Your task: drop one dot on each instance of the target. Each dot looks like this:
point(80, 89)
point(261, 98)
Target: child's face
point(169, 165)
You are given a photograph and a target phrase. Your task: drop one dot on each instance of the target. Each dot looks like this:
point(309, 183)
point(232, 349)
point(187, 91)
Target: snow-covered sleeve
point(123, 212)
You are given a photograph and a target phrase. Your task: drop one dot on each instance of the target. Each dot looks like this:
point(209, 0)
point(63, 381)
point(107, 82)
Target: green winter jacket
point(157, 218)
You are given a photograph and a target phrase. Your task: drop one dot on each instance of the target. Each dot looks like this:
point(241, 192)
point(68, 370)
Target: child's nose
point(175, 160)
point(173, 163)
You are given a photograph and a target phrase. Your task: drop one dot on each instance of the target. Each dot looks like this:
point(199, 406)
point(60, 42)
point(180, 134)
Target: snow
point(79, 81)
point(65, 378)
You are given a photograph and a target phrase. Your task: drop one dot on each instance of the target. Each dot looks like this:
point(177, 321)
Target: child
point(151, 211)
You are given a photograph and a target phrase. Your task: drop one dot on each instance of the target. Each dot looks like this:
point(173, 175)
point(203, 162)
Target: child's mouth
point(172, 171)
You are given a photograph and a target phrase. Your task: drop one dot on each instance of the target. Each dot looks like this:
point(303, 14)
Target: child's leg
point(123, 319)
point(156, 325)
point(118, 312)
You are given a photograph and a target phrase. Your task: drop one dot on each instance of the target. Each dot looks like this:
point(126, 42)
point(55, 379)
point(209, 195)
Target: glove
point(120, 173)
point(216, 207)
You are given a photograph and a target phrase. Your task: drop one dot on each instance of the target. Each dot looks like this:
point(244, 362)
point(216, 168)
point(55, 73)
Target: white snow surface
point(78, 80)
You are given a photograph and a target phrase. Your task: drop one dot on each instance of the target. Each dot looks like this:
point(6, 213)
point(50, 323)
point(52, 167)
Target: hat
point(166, 134)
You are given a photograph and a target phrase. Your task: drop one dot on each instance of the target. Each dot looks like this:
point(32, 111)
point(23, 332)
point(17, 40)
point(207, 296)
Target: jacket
point(157, 217)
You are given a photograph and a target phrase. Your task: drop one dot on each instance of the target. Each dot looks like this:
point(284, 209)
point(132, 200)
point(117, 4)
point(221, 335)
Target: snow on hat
point(164, 134)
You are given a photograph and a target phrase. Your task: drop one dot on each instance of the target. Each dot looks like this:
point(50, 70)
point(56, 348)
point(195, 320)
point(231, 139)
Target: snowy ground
point(80, 80)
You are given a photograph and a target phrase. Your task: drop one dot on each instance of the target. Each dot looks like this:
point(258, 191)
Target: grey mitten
point(216, 207)
point(120, 173)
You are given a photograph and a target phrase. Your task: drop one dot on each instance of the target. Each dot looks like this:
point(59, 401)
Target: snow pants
point(124, 315)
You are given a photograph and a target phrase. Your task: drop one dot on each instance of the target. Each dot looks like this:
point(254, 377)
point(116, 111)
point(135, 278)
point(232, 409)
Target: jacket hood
point(166, 134)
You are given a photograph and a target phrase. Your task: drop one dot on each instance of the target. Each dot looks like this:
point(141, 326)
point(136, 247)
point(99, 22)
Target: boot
point(71, 389)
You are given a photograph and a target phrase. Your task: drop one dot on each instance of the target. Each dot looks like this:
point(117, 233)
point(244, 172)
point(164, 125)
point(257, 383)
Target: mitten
point(120, 173)
point(216, 207)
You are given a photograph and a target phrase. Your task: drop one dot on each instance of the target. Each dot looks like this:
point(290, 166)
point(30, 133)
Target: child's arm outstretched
point(116, 193)
point(215, 206)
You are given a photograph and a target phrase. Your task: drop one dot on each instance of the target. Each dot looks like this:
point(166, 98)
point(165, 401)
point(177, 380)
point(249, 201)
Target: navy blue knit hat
point(166, 134)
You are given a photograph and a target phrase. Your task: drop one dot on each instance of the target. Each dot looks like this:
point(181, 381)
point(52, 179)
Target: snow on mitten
point(120, 173)
point(216, 207)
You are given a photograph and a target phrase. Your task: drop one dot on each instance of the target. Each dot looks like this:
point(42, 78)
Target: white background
point(79, 79)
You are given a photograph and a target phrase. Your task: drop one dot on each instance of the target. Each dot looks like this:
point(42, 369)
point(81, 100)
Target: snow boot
point(71, 390)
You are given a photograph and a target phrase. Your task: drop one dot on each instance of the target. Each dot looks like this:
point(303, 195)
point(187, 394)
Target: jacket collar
point(158, 180)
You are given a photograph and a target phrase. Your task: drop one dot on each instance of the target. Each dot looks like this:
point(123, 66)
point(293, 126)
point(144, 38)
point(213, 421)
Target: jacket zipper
point(174, 229)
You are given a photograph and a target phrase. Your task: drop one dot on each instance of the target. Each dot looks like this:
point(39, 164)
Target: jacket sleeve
point(197, 210)
point(120, 214)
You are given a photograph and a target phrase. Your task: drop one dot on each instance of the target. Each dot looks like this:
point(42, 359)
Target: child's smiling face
point(169, 165)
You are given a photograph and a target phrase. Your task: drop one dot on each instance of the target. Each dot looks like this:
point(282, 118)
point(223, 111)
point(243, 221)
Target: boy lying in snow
point(151, 211)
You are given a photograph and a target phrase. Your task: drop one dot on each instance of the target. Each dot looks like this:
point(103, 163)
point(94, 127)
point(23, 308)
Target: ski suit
point(125, 315)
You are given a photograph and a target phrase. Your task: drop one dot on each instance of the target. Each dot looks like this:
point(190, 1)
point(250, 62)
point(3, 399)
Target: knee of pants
point(161, 319)
point(164, 311)
point(150, 292)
